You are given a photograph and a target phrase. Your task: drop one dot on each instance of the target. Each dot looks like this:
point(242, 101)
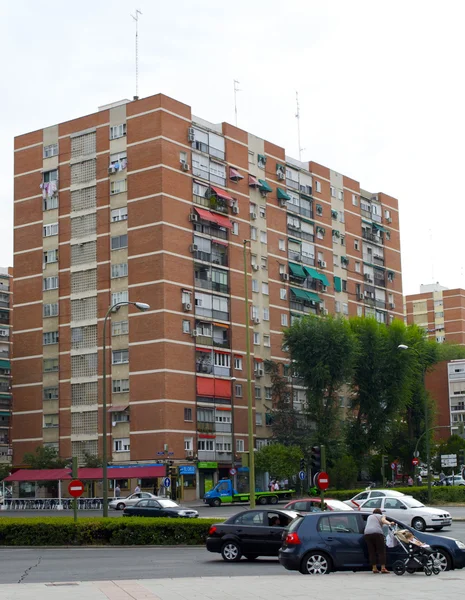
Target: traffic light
point(316, 458)
point(461, 457)
point(302, 464)
point(172, 472)
point(384, 459)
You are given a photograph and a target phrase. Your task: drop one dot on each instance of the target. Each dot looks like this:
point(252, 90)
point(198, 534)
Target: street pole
point(75, 476)
point(249, 384)
point(428, 438)
point(323, 468)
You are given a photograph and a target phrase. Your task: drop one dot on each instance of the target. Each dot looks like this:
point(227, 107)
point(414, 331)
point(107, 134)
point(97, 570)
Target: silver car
point(121, 503)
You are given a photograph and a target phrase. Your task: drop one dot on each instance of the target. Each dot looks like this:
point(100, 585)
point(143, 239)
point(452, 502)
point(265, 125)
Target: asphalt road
point(39, 565)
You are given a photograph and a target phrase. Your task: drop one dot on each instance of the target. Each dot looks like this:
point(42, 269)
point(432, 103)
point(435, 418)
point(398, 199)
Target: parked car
point(159, 508)
point(452, 480)
point(309, 505)
point(411, 511)
point(250, 533)
point(121, 503)
point(322, 542)
point(357, 500)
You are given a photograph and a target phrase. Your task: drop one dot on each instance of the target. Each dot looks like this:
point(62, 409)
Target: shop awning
point(337, 284)
point(221, 193)
point(206, 215)
point(233, 174)
point(205, 387)
point(130, 472)
point(253, 182)
point(264, 186)
point(40, 475)
point(283, 195)
point(315, 275)
point(297, 270)
point(119, 408)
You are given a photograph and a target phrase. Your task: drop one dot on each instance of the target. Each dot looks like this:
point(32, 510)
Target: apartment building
point(6, 291)
point(440, 311)
point(142, 201)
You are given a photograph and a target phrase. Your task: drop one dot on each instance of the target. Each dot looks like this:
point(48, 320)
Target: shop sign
point(187, 470)
point(207, 465)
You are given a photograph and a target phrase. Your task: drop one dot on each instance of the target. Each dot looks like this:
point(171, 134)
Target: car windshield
point(168, 504)
point(412, 503)
point(337, 505)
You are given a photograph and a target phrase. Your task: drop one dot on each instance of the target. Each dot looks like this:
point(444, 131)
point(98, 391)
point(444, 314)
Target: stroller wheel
point(411, 571)
point(427, 571)
point(398, 567)
point(436, 571)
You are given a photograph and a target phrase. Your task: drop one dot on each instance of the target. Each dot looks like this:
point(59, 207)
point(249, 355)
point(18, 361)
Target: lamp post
point(427, 428)
point(249, 383)
point(142, 307)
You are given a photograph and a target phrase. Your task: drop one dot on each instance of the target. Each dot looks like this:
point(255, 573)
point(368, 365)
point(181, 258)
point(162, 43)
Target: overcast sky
point(380, 86)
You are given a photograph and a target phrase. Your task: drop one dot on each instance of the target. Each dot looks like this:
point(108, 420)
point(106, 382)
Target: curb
point(96, 547)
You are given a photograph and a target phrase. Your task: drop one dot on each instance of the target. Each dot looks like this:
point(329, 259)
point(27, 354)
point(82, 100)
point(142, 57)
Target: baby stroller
point(417, 557)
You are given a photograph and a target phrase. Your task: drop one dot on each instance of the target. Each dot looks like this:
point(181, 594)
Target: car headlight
point(460, 544)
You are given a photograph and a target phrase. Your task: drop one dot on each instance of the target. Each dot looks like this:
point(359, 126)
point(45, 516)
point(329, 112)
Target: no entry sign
point(76, 488)
point(415, 461)
point(322, 480)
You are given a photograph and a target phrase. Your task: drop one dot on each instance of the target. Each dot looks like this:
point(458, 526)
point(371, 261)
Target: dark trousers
point(376, 548)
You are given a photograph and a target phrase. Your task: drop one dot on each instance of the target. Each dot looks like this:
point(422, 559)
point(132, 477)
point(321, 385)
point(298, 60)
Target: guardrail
point(14, 504)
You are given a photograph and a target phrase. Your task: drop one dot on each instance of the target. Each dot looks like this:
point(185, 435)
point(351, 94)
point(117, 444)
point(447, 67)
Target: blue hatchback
point(322, 542)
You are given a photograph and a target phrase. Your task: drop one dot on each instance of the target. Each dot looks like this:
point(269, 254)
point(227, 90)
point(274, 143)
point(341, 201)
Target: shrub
point(62, 531)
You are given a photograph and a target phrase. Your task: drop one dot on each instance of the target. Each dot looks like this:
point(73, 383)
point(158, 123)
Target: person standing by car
point(374, 539)
point(117, 491)
point(442, 476)
point(137, 490)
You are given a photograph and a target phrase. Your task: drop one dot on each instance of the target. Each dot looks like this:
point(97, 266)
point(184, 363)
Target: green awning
point(337, 284)
point(315, 275)
point(294, 240)
point(5, 364)
point(282, 195)
point(297, 270)
point(367, 222)
point(334, 213)
point(324, 279)
point(5, 413)
point(305, 295)
point(307, 221)
point(379, 227)
point(313, 297)
point(264, 186)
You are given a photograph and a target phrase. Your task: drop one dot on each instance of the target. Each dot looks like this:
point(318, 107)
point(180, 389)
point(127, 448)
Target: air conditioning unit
point(189, 453)
point(284, 276)
point(361, 296)
point(191, 134)
point(322, 264)
point(255, 267)
point(194, 333)
point(184, 165)
point(253, 216)
point(389, 219)
point(392, 305)
point(256, 320)
point(193, 217)
point(113, 423)
point(235, 210)
point(282, 202)
point(187, 306)
point(259, 373)
point(324, 311)
point(193, 248)
point(281, 176)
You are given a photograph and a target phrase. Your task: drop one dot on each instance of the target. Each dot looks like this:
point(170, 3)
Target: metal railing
point(52, 503)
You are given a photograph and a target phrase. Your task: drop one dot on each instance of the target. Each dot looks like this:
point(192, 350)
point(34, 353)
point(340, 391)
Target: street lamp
point(142, 306)
point(427, 429)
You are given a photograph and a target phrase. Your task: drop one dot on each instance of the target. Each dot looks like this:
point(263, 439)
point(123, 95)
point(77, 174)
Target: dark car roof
point(284, 512)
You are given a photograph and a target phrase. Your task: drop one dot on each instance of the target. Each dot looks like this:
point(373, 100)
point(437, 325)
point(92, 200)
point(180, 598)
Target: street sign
point(170, 453)
point(393, 466)
point(448, 460)
point(166, 482)
point(322, 480)
point(415, 461)
point(416, 453)
point(160, 453)
point(76, 488)
point(232, 471)
point(301, 475)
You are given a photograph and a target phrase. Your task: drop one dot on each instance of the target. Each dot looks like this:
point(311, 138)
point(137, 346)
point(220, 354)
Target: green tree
point(278, 460)
point(44, 458)
point(91, 461)
point(343, 474)
point(323, 352)
point(5, 470)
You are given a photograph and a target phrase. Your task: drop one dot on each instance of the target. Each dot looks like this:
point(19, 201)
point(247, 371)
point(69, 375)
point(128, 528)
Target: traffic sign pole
point(323, 468)
point(75, 474)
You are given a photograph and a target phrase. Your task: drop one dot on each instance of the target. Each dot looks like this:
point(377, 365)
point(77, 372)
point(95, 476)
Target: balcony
point(211, 313)
point(380, 280)
point(207, 368)
point(208, 284)
point(202, 147)
point(210, 229)
point(205, 427)
point(216, 258)
point(305, 308)
point(206, 455)
point(224, 456)
point(300, 210)
point(457, 376)
point(290, 183)
point(376, 218)
point(298, 233)
point(212, 203)
point(223, 427)
point(372, 237)
point(378, 260)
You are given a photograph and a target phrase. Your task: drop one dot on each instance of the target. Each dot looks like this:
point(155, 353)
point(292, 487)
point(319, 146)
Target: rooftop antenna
point(432, 253)
point(297, 116)
point(136, 19)
point(236, 89)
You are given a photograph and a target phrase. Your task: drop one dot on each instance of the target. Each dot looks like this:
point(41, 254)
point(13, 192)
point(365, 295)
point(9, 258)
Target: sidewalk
point(362, 586)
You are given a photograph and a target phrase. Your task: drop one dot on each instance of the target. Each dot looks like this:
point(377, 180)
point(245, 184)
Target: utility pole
point(236, 89)
point(297, 116)
point(323, 469)
point(249, 383)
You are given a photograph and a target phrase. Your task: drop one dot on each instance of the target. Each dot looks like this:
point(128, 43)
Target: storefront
point(187, 482)
point(208, 476)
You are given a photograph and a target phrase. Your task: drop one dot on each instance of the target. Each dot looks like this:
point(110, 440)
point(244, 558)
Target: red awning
point(253, 182)
point(221, 193)
point(206, 215)
point(203, 349)
point(205, 387)
point(220, 243)
point(135, 472)
point(223, 408)
point(206, 436)
point(222, 388)
point(40, 475)
point(119, 408)
point(233, 174)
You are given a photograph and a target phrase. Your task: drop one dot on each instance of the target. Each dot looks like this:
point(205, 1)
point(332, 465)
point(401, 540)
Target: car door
point(275, 523)
point(249, 528)
point(358, 499)
point(141, 509)
point(370, 505)
point(155, 509)
point(133, 499)
point(343, 539)
point(394, 508)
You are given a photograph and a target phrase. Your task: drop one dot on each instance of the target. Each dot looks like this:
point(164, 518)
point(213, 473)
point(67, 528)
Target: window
point(263, 237)
point(340, 524)
point(256, 338)
point(205, 445)
point(119, 327)
point(264, 262)
point(345, 308)
point(255, 287)
point(50, 310)
point(335, 260)
point(258, 419)
point(120, 385)
point(253, 233)
point(283, 293)
point(340, 195)
point(238, 390)
point(117, 131)
point(268, 393)
point(235, 228)
point(117, 187)
point(117, 297)
point(50, 364)
point(186, 326)
point(357, 267)
point(189, 443)
point(266, 341)
point(50, 393)
point(238, 363)
point(332, 191)
point(261, 161)
point(50, 421)
point(239, 445)
point(50, 176)
point(359, 311)
point(119, 214)
point(337, 306)
point(317, 186)
point(354, 200)
point(220, 359)
point(119, 241)
point(265, 288)
point(282, 245)
point(266, 314)
point(188, 415)
point(186, 297)
point(50, 283)
point(50, 150)
point(262, 212)
point(120, 357)
point(50, 202)
point(50, 256)
point(121, 445)
point(356, 245)
point(387, 214)
point(284, 320)
point(251, 158)
point(119, 270)
point(258, 392)
point(51, 229)
point(344, 285)
point(50, 337)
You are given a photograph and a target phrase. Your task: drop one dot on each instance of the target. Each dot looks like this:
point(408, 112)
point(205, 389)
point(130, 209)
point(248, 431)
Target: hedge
point(62, 531)
point(440, 494)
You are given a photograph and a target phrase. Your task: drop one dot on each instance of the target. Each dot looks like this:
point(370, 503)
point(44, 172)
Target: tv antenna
point(297, 116)
point(236, 89)
point(136, 19)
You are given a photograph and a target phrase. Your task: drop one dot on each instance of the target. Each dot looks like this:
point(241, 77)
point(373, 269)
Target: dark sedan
point(319, 543)
point(250, 533)
point(159, 508)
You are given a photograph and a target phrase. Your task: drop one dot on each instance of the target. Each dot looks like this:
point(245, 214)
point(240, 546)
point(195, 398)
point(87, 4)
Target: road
point(39, 565)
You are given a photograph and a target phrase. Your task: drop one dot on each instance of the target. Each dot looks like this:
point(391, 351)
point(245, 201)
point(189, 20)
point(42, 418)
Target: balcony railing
point(212, 203)
point(376, 218)
point(298, 233)
point(303, 307)
point(208, 284)
point(367, 235)
point(210, 229)
point(365, 213)
point(209, 369)
point(292, 184)
point(224, 456)
point(207, 455)
point(215, 257)
point(300, 210)
point(457, 376)
point(223, 427)
point(205, 427)
point(206, 340)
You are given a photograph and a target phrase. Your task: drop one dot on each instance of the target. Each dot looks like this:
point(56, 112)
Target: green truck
point(224, 493)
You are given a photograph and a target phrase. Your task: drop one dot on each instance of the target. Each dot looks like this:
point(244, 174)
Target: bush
point(62, 531)
point(440, 494)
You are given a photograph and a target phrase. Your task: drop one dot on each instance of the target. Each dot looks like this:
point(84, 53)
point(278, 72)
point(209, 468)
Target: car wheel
point(262, 500)
point(216, 502)
point(274, 500)
point(438, 528)
point(419, 524)
point(441, 559)
point(231, 552)
point(315, 563)
point(120, 506)
point(251, 556)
